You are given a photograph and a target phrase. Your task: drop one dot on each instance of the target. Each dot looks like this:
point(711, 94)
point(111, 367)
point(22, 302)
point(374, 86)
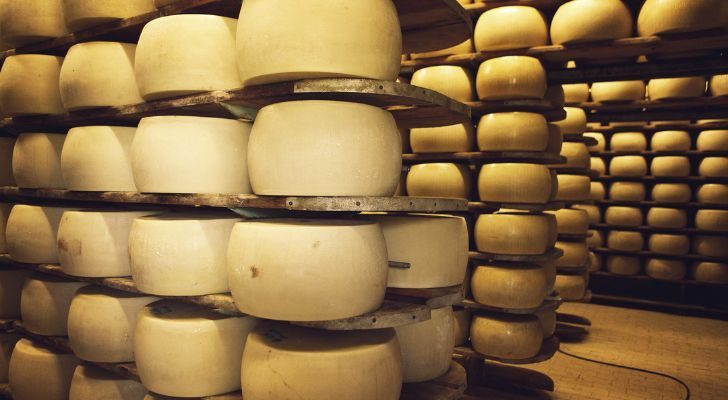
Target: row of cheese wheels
point(667, 269)
point(659, 217)
point(668, 140)
point(656, 89)
point(664, 166)
point(668, 243)
point(709, 193)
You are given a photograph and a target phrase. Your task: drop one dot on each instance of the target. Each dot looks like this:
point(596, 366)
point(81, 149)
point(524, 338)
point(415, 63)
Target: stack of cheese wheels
point(31, 233)
point(439, 180)
point(30, 21)
point(515, 233)
point(209, 338)
point(581, 21)
point(624, 216)
point(510, 27)
point(29, 83)
point(511, 77)
point(711, 246)
point(510, 285)
point(601, 141)
point(312, 148)
point(427, 346)
point(163, 146)
point(37, 161)
point(571, 287)
point(625, 240)
point(516, 183)
point(628, 166)
point(671, 218)
point(628, 141)
point(45, 302)
point(90, 383)
point(670, 270)
point(676, 88)
point(443, 139)
point(82, 14)
point(576, 154)
point(464, 47)
point(576, 254)
point(32, 364)
point(513, 131)
point(101, 324)
point(181, 254)
point(712, 140)
point(621, 91)
point(674, 16)
point(7, 344)
point(718, 85)
point(461, 326)
point(670, 141)
point(712, 220)
point(6, 161)
point(556, 139)
point(664, 243)
point(11, 287)
point(573, 187)
point(710, 272)
point(293, 352)
point(627, 191)
point(454, 82)
point(575, 122)
point(714, 167)
point(713, 193)
point(624, 265)
point(597, 191)
point(547, 317)
point(167, 66)
point(506, 336)
point(670, 166)
point(306, 282)
point(672, 192)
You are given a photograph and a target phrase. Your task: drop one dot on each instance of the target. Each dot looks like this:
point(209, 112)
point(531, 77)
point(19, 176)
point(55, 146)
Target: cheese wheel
point(163, 146)
point(596, 240)
point(712, 246)
point(515, 233)
point(6, 161)
point(718, 85)
point(711, 121)
point(570, 287)
point(583, 21)
point(507, 336)
point(443, 139)
point(29, 83)
point(618, 91)
point(166, 65)
point(713, 167)
point(672, 16)
point(669, 244)
point(91, 383)
point(577, 154)
point(573, 187)
point(671, 192)
point(11, 287)
point(31, 21)
point(31, 233)
point(574, 123)
point(180, 254)
point(713, 193)
point(37, 372)
point(461, 326)
point(624, 265)
point(627, 191)
point(101, 324)
point(556, 140)
point(571, 221)
point(597, 191)
point(82, 14)
point(513, 131)
point(595, 262)
point(713, 140)
point(548, 322)
point(628, 141)
point(710, 272)
point(4, 213)
point(628, 166)
point(361, 39)
point(7, 344)
point(512, 286)
point(465, 47)
point(676, 88)
point(312, 148)
point(294, 353)
point(555, 94)
point(439, 180)
point(670, 166)
point(209, 339)
point(576, 254)
point(510, 27)
point(576, 93)
point(660, 217)
point(427, 346)
point(37, 160)
point(515, 183)
point(625, 240)
point(598, 164)
point(511, 77)
point(550, 269)
point(670, 141)
point(44, 304)
point(306, 282)
point(623, 216)
point(712, 220)
point(669, 270)
point(593, 211)
point(601, 142)
point(454, 82)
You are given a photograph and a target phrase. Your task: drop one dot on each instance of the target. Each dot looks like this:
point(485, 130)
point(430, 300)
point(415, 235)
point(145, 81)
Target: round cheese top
point(619, 91)
point(506, 336)
point(628, 141)
point(30, 234)
point(513, 286)
point(581, 21)
point(671, 141)
point(515, 233)
point(45, 302)
point(716, 167)
point(661, 217)
point(671, 270)
point(36, 372)
point(624, 265)
point(29, 83)
point(670, 166)
point(627, 191)
point(443, 139)
point(37, 161)
point(513, 131)
point(625, 240)
point(672, 192)
point(30, 21)
point(628, 166)
point(427, 346)
point(676, 88)
point(511, 77)
point(713, 193)
point(574, 123)
point(82, 14)
point(510, 27)
point(672, 16)
point(624, 216)
point(91, 383)
point(713, 140)
point(710, 272)
point(452, 81)
point(515, 183)
point(439, 180)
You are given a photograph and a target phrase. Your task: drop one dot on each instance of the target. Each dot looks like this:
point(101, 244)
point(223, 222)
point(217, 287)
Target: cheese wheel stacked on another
point(465, 47)
point(91, 383)
point(670, 166)
point(674, 16)
point(676, 88)
point(618, 91)
point(44, 304)
point(571, 221)
point(556, 140)
point(575, 122)
point(7, 344)
point(6, 161)
point(718, 85)
point(510, 27)
point(512, 286)
point(443, 139)
point(511, 77)
point(628, 141)
point(577, 155)
point(571, 287)
point(518, 233)
point(597, 191)
point(506, 336)
point(598, 164)
point(29, 84)
point(513, 131)
point(583, 21)
point(660, 217)
point(671, 192)
point(601, 142)
point(82, 14)
point(4, 214)
point(713, 193)
point(596, 240)
point(516, 183)
point(439, 180)
point(11, 288)
point(712, 220)
point(461, 326)
point(710, 272)
point(713, 140)
point(37, 372)
point(573, 187)
point(427, 346)
point(595, 215)
point(576, 254)
point(29, 21)
point(628, 166)
point(624, 265)
point(547, 318)
point(669, 270)
point(575, 93)
point(452, 81)
point(623, 216)
point(555, 94)
point(625, 240)
point(627, 191)
point(31, 234)
point(664, 243)
point(712, 246)
point(671, 141)
point(37, 161)
point(714, 167)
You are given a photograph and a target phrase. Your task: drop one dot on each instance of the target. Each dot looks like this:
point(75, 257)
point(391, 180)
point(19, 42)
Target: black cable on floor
point(646, 371)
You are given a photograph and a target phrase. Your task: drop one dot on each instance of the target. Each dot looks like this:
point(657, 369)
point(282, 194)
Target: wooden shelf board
point(652, 229)
point(658, 115)
point(651, 153)
point(548, 304)
point(549, 256)
point(593, 174)
point(552, 111)
point(659, 179)
point(588, 140)
point(700, 103)
point(648, 204)
point(648, 127)
point(433, 298)
point(650, 254)
point(548, 349)
point(478, 7)
point(487, 207)
point(648, 278)
point(483, 157)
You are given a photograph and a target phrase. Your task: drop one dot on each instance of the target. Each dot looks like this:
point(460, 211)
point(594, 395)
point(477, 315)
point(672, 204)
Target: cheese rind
point(664, 243)
point(573, 187)
point(91, 383)
point(597, 191)
point(548, 322)
point(670, 270)
point(627, 191)
point(660, 217)
point(513, 286)
point(515, 183)
point(718, 85)
point(583, 21)
point(510, 27)
point(628, 166)
point(713, 193)
point(37, 161)
point(513, 131)
point(595, 215)
point(31, 233)
point(515, 233)
point(439, 180)
point(11, 287)
point(710, 272)
point(625, 240)
point(82, 14)
point(465, 47)
point(712, 220)
point(511, 77)
point(714, 167)
point(598, 164)
point(44, 304)
point(571, 221)
point(577, 155)
point(443, 139)
point(671, 141)
point(32, 364)
point(676, 88)
point(672, 192)
point(427, 346)
point(673, 16)
point(570, 287)
point(452, 81)
point(506, 336)
point(595, 262)
point(596, 239)
point(576, 93)
point(671, 166)
point(576, 254)
point(628, 141)
point(29, 21)
point(624, 216)
point(712, 140)
point(29, 83)
point(620, 91)
point(574, 123)
point(624, 265)
point(712, 246)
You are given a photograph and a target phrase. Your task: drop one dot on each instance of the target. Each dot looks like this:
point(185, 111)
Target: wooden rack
point(663, 179)
point(486, 157)
point(652, 153)
point(549, 256)
point(652, 229)
point(647, 127)
point(479, 7)
point(648, 204)
point(549, 109)
point(488, 207)
point(651, 254)
point(699, 103)
point(548, 304)
point(548, 349)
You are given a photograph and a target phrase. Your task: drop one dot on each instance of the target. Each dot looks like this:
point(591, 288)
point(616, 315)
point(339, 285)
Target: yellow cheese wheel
point(672, 16)
point(595, 262)
point(30, 21)
point(443, 139)
point(713, 193)
point(515, 233)
point(312, 148)
point(465, 47)
point(676, 88)
point(571, 221)
point(669, 270)
point(711, 121)
point(452, 81)
point(570, 287)
point(7, 344)
point(671, 192)
point(506, 336)
point(664, 243)
point(593, 211)
point(628, 166)
point(513, 131)
point(515, 183)
point(597, 191)
point(712, 246)
point(461, 326)
point(11, 287)
point(623, 216)
point(548, 322)
point(625, 240)
point(511, 77)
point(37, 160)
point(712, 220)
point(710, 272)
point(596, 239)
point(710, 167)
point(573, 187)
point(618, 91)
point(627, 191)
point(577, 154)
point(574, 123)
point(598, 164)
point(660, 217)
point(37, 372)
point(29, 84)
point(628, 141)
point(427, 346)
point(670, 141)
point(581, 21)
point(44, 304)
point(4, 214)
point(295, 352)
point(439, 180)
point(719, 85)
point(31, 233)
point(91, 383)
point(510, 27)
point(556, 140)
point(213, 347)
point(713, 140)
point(576, 254)
point(306, 282)
point(670, 166)
point(82, 14)
point(513, 286)
point(555, 94)
point(166, 65)
point(163, 146)
point(361, 39)
point(576, 93)
point(624, 265)
point(6, 161)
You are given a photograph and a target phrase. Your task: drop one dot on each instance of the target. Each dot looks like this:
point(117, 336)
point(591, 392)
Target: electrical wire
point(646, 371)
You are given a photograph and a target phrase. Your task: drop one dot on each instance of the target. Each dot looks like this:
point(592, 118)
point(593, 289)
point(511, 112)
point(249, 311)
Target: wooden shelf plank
point(700, 103)
point(651, 153)
point(648, 127)
point(588, 140)
point(593, 174)
point(548, 349)
point(552, 111)
point(648, 278)
point(551, 255)
point(652, 229)
point(432, 24)
point(658, 115)
point(548, 304)
point(651, 254)
point(488, 207)
point(479, 7)
point(658, 179)
point(648, 204)
point(485, 157)
point(433, 298)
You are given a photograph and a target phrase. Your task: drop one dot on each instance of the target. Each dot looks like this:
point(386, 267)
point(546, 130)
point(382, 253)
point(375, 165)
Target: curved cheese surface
point(661, 217)
point(427, 346)
point(29, 84)
point(573, 187)
point(671, 192)
point(664, 243)
point(716, 167)
point(670, 166)
point(31, 364)
point(576, 92)
point(624, 265)
point(443, 139)
point(712, 220)
point(718, 85)
point(620, 91)
point(574, 123)
point(670, 270)
point(570, 287)
point(577, 154)
point(511, 77)
point(439, 180)
point(624, 216)
point(671, 141)
point(30, 21)
point(515, 183)
point(712, 246)
point(625, 240)
point(672, 16)
point(628, 141)
point(676, 88)
point(581, 21)
point(506, 336)
point(7, 344)
point(628, 166)
point(597, 191)
point(514, 286)
point(710, 272)
point(31, 233)
point(510, 27)
point(595, 215)
point(452, 81)
point(515, 233)
point(627, 191)
point(91, 383)
point(461, 326)
point(45, 302)
point(572, 221)
point(37, 161)
point(576, 254)
point(713, 193)
point(713, 140)
point(513, 131)
point(548, 322)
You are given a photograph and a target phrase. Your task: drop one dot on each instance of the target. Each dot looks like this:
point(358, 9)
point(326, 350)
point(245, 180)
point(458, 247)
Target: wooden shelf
point(587, 140)
point(651, 153)
point(433, 298)
point(700, 103)
point(548, 349)
point(488, 207)
point(648, 127)
point(652, 229)
point(648, 278)
point(551, 255)
point(550, 110)
point(671, 306)
point(659, 115)
point(663, 179)
point(479, 7)
point(591, 173)
point(650, 254)
point(487, 157)
point(548, 304)
point(649, 204)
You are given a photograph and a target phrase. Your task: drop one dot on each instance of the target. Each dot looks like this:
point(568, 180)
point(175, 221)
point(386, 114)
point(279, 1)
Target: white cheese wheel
point(556, 140)
point(595, 215)
point(628, 166)
point(306, 282)
point(576, 93)
point(660, 217)
point(713, 167)
point(513, 286)
point(167, 65)
point(596, 240)
point(577, 154)
point(623, 216)
point(597, 191)
point(574, 123)
point(548, 322)
point(163, 147)
point(627, 191)
point(513, 131)
point(427, 346)
point(6, 161)
point(619, 91)
point(515, 233)
point(624, 265)
point(349, 39)
point(37, 372)
point(671, 192)
point(669, 244)
point(506, 336)
point(439, 180)
point(670, 166)
point(510, 27)
point(11, 287)
point(676, 88)
point(576, 254)
point(29, 21)
point(511, 77)
point(213, 348)
point(515, 183)
point(670, 141)
point(571, 221)
point(37, 160)
point(45, 302)
point(672, 16)
point(713, 193)
point(101, 324)
point(7, 344)
point(435, 246)
point(598, 164)
point(625, 240)
point(29, 83)
point(628, 141)
point(452, 81)
point(279, 359)
point(82, 14)
point(712, 220)
point(180, 254)
point(465, 47)
point(31, 233)
point(582, 21)
point(601, 142)
point(573, 187)
point(90, 383)
point(443, 139)
point(461, 326)
point(713, 140)
point(710, 272)
point(570, 287)
point(718, 85)
point(313, 148)
point(669, 270)
point(712, 246)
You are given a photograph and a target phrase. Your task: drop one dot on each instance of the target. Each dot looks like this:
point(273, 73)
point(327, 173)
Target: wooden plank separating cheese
point(650, 204)
point(487, 207)
point(552, 255)
point(652, 229)
point(651, 254)
point(479, 7)
point(652, 153)
point(548, 304)
point(551, 110)
point(648, 127)
point(548, 349)
point(480, 157)
point(655, 179)
point(432, 24)
point(700, 103)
